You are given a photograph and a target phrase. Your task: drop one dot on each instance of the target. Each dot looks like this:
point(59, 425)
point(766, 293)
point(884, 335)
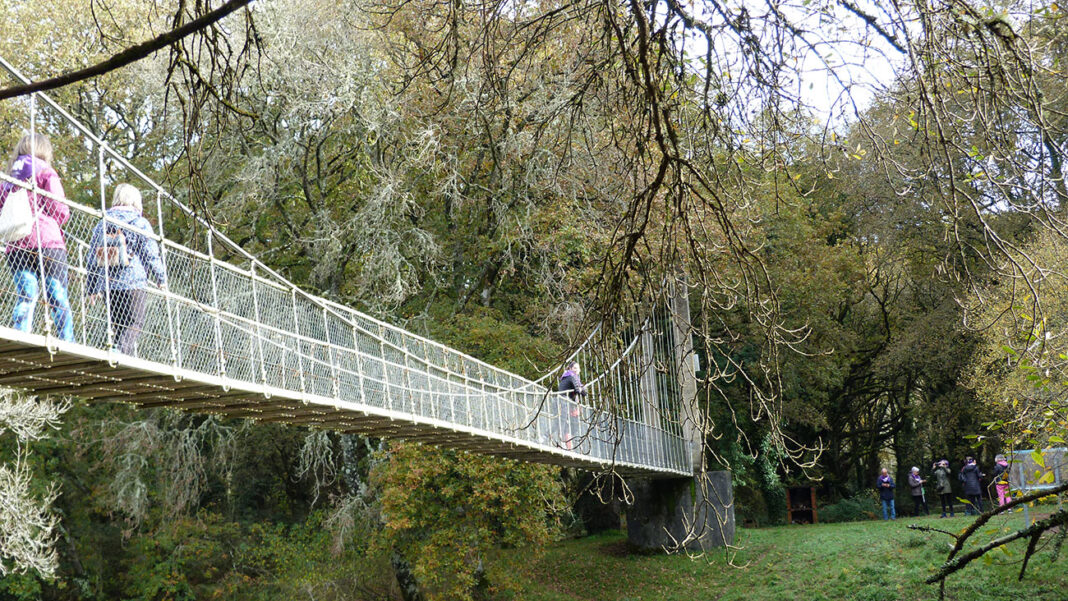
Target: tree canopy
point(864, 203)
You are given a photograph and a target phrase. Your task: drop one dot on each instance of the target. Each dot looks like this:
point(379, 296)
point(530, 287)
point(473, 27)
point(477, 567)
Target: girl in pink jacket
point(40, 259)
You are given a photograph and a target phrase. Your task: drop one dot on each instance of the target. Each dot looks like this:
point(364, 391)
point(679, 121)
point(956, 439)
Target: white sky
point(862, 60)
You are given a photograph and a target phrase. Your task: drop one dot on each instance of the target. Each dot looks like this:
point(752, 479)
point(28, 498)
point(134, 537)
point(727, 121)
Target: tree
point(128, 56)
point(444, 510)
point(490, 124)
point(27, 523)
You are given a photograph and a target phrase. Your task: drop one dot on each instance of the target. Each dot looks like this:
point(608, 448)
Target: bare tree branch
point(130, 55)
point(1034, 530)
point(874, 24)
point(955, 562)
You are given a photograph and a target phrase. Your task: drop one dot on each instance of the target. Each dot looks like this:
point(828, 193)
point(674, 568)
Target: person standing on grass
point(1001, 479)
point(944, 486)
point(973, 490)
point(916, 488)
point(885, 486)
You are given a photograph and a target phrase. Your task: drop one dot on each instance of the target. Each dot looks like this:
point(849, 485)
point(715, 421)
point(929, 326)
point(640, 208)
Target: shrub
point(750, 507)
point(863, 506)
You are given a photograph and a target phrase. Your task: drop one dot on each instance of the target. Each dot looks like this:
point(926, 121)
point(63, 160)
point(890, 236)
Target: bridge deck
point(46, 366)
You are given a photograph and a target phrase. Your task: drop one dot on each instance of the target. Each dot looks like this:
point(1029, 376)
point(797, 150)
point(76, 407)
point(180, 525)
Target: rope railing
point(246, 325)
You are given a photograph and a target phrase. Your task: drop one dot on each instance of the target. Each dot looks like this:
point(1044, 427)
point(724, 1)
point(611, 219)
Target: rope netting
point(153, 281)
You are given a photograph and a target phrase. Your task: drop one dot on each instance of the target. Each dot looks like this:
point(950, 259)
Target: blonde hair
point(126, 195)
point(37, 145)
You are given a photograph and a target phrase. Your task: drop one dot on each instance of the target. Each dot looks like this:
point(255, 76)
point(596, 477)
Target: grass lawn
point(870, 561)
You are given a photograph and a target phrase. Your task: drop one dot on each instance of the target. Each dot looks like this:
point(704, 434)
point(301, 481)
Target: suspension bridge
point(228, 335)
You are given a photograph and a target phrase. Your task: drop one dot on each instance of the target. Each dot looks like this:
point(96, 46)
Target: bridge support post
point(682, 514)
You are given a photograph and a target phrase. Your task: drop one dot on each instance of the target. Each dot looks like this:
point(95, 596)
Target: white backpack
point(16, 218)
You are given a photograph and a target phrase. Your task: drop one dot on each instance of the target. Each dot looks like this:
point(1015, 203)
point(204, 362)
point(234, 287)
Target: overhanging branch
point(874, 24)
point(1034, 530)
point(130, 55)
point(955, 562)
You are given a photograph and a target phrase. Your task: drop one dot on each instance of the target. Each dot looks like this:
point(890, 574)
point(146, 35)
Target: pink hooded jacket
point(51, 214)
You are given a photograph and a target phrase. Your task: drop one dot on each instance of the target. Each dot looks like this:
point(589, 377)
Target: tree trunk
point(402, 570)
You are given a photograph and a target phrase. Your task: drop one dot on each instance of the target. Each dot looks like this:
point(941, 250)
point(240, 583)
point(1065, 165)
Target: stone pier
point(692, 514)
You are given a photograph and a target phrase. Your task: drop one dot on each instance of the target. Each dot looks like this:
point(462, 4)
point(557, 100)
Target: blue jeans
point(26, 271)
point(893, 512)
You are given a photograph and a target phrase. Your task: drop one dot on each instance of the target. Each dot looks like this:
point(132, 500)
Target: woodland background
point(868, 284)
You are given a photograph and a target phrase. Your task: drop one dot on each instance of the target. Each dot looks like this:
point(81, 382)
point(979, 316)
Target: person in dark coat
point(916, 488)
point(885, 485)
point(571, 383)
point(944, 486)
point(973, 489)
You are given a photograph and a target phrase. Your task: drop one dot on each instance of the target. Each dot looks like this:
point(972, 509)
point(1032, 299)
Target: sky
point(836, 68)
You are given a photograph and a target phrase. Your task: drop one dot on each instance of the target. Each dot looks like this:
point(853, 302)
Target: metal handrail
point(402, 364)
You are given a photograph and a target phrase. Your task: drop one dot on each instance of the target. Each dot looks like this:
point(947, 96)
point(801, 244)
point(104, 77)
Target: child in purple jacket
point(40, 259)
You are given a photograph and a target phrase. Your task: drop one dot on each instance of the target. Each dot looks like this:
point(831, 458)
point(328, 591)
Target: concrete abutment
point(682, 514)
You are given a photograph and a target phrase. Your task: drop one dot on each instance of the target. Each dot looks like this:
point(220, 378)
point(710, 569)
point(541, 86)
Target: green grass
point(862, 561)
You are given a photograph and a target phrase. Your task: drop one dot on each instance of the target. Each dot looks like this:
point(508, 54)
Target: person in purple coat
point(40, 259)
point(885, 485)
point(916, 483)
point(571, 383)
